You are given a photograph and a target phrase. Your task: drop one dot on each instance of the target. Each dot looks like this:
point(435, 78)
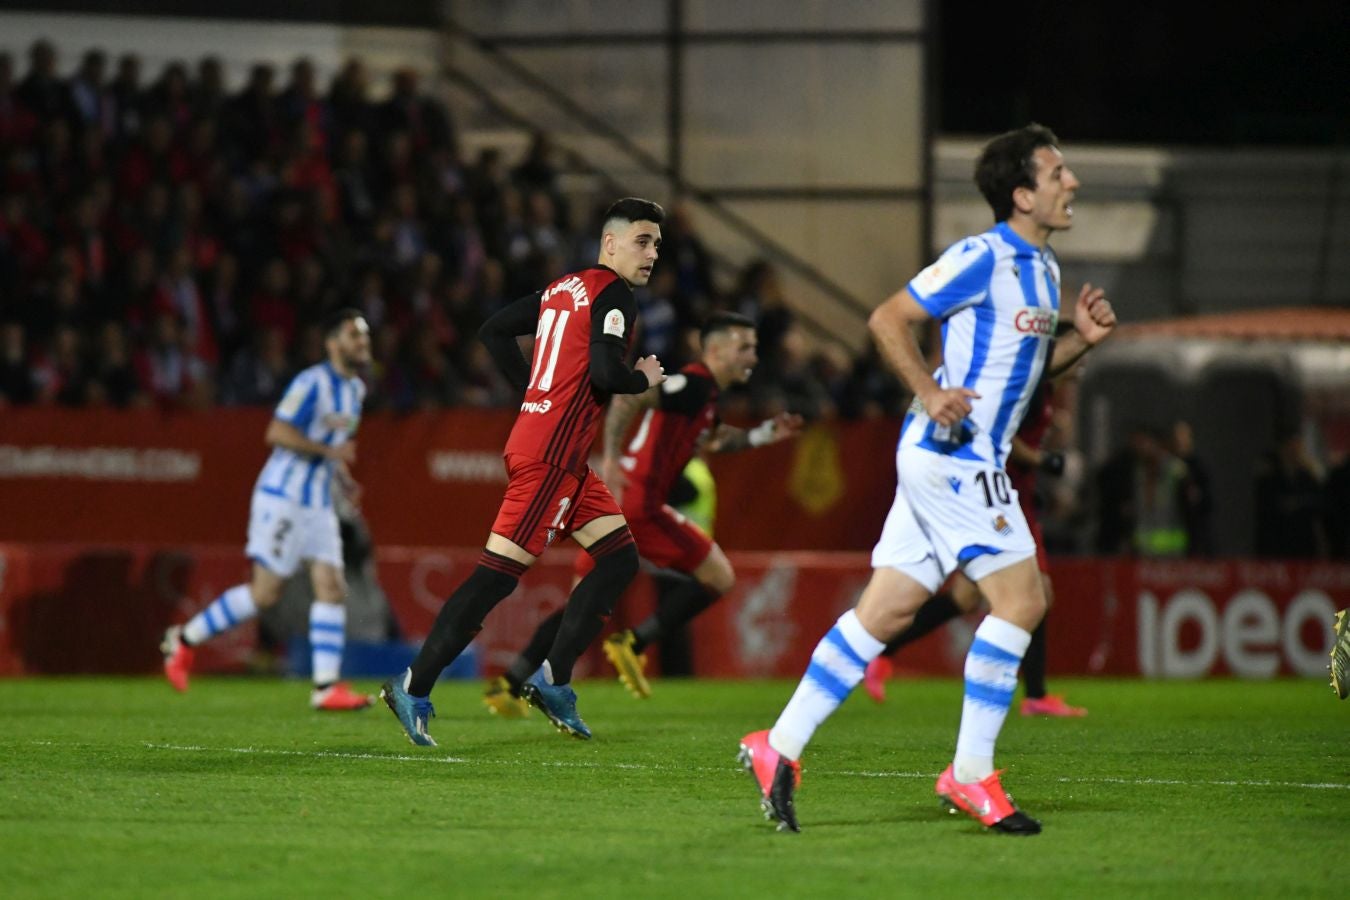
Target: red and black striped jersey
point(1032, 431)
point(563, 408)
point(667, 437)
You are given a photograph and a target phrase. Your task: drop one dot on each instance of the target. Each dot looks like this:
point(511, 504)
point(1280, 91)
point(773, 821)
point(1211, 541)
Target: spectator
point(209, 97)
point(17, 123)
point(18, 387)
point(172, 377)
point(128, 99)
point(92, 104)
point(259, 374)
point(407, 111)
point(347, 101)
point(113, 378)
point(1197, 499)
point(60, 372)
point(1289, 502)
point(1337, 505)
point(41, 91)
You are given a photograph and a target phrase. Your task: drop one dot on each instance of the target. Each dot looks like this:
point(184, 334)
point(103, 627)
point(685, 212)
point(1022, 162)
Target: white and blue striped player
point(997, 297)
point(292, 519)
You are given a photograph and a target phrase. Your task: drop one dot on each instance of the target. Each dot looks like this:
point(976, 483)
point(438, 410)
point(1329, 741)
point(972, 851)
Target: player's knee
point(265, 588)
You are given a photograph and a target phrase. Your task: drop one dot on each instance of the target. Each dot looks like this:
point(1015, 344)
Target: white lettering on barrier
point(100, 463)
point(1251, 636)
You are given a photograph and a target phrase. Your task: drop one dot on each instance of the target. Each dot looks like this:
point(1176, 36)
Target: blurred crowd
point(174, 243)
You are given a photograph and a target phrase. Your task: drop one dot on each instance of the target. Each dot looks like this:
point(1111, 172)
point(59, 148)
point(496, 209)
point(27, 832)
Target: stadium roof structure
point(1300, 323)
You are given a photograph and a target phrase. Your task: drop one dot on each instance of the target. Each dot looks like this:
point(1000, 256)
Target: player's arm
point(729, 438)
point(499, 335)
point(285, 435)
point(1051, 462)
point(612, 316)
point(892, 326)
point(1093, 322)
point(623, 408)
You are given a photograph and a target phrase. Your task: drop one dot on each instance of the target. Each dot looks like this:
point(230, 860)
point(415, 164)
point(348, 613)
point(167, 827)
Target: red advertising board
point(432, 479)
point(75, 608)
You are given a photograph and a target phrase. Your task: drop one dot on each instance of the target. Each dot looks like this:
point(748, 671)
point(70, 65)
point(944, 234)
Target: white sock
point(327, 635)
point(991, 678)
point(232, 608)
point(837, 665)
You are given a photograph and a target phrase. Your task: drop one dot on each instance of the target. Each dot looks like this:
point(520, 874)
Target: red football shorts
point(544, 503)
point(665, 538)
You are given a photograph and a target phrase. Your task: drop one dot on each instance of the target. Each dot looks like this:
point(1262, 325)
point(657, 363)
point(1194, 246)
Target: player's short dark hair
point(634, 209)
point(723, 321)
point(333, 322)
point(1007, 163)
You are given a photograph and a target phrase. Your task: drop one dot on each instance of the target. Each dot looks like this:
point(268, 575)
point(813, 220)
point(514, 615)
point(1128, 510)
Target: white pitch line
point(573, 764)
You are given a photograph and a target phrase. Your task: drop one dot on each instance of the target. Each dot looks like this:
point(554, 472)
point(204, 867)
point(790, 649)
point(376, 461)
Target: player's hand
point(947, 406)
point(651, 367)
point(614, 477)
point(344, 453)
point(785, 425)
point(348, 485)
point(1093, 317)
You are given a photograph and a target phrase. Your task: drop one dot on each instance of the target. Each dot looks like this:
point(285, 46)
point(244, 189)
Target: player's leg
point(1036, 701)
point(504, 696)
point(960, 598)
point(1017, 605)
point(535, 492)
point(669, 540)
point(610, 544)
point(328, 640)
point(232, 608)
point(837, 664)
point(905, 572)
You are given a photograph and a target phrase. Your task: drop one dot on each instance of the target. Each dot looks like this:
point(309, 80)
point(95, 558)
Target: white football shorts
point(951, 514)
point(282, 534)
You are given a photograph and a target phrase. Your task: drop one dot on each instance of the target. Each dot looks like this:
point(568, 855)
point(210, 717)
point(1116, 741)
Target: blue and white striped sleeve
point(958, 279)
point(300, 401)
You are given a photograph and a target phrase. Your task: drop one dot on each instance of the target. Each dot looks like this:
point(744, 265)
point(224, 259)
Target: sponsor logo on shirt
point(1040, 322)
point(536, 406)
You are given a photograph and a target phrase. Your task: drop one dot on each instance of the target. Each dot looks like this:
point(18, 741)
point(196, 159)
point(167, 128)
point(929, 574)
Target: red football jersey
point(667, 437)
point(562, 410)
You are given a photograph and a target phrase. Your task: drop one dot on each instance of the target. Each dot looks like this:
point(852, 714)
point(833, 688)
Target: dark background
point(1149, 72)
point(1176, 72)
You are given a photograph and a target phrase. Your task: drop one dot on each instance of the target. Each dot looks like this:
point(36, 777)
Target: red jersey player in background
point(962, 596)
point(678, 420)
point(583, 326)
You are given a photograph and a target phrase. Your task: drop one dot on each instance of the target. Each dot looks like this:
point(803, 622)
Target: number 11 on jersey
point(548, 327)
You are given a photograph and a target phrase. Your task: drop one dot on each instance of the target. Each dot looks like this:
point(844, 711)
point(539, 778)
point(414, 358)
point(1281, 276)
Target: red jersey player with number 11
point(582, 326)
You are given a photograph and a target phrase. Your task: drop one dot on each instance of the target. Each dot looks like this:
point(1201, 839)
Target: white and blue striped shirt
point(326, 408)
point(997, 297)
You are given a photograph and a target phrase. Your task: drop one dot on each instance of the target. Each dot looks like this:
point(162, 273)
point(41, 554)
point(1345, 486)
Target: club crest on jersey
point(574, 286)
point(1001, 525)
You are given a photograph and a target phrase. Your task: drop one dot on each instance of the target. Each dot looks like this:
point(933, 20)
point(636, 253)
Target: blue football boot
point(558, 702)
point(412, 712)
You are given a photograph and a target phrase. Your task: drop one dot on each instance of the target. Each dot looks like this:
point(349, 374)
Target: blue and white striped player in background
point(292, 519)
point(997, 297)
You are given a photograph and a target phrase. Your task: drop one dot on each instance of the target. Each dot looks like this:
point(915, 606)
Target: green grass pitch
point(121, 788)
